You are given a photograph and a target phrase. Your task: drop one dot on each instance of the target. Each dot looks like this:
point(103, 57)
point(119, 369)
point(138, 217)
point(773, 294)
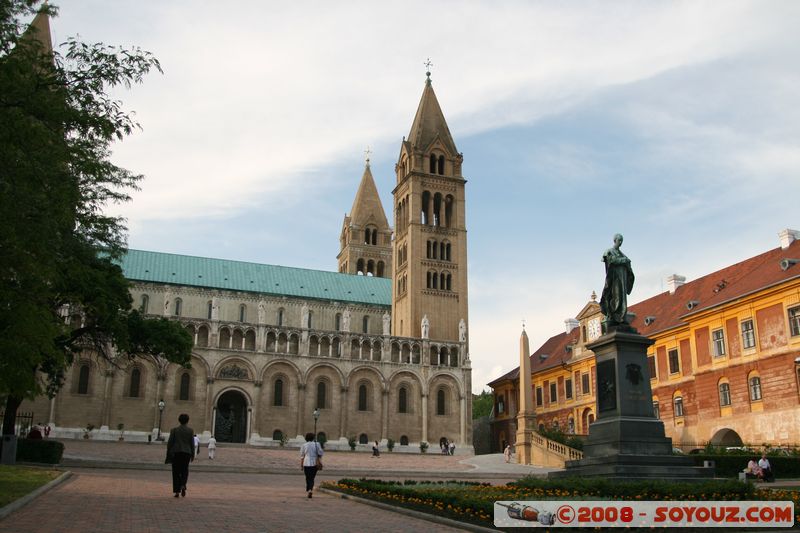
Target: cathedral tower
point(366, 238)
point(430, 243)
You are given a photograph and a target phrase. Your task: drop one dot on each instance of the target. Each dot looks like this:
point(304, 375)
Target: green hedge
point(730, 465)
point(40, 451)
point(645, 490)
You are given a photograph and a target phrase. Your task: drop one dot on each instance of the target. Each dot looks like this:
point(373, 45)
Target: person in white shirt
point(766, 468)
point(212, 447)
point(310, 461)
point(196, 441)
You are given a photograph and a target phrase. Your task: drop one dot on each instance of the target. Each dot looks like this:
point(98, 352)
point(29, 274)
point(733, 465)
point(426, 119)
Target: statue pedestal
point(627, 441)
point(524, 438)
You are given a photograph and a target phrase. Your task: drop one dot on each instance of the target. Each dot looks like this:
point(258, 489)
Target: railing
point(552, 448)
point(23, 424)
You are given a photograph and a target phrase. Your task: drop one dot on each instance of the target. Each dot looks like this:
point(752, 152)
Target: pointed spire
point(39, 31)
point(429, 122)
point(367, 204)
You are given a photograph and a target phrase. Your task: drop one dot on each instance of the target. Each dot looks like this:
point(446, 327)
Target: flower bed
point(474, 502)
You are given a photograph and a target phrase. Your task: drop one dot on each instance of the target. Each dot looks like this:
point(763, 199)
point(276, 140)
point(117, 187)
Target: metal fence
point(23, 424)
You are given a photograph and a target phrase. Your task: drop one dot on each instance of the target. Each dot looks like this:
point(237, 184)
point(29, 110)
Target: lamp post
point(315, 414)
point(161, 406)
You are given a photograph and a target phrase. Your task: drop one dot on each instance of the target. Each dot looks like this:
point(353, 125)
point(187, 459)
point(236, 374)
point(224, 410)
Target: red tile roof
point(670, 310)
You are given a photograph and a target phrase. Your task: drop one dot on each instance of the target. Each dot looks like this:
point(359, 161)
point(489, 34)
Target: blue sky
point(675, 123)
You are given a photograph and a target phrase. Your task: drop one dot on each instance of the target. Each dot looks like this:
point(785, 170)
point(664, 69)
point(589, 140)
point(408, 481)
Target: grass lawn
point(17, 481)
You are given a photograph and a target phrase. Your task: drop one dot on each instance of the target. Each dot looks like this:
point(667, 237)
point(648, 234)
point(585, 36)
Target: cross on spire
point(428, 66)
point(523, 323)
point(367, 151)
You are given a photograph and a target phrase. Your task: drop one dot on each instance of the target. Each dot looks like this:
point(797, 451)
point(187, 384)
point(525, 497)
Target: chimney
point(788, 236)
point(571, 324)
point(674, 281)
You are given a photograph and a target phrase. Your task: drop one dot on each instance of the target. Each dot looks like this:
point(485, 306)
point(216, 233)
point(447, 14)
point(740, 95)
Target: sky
point(674, 123)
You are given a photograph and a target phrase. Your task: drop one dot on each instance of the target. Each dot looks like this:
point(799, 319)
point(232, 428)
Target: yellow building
point(724, 368)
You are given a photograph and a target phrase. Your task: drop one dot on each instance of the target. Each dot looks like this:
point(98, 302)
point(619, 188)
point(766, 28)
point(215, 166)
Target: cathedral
point(377, 351)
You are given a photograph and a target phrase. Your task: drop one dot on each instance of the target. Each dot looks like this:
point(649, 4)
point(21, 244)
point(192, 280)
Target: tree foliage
point(58, 247)
point(482, 404)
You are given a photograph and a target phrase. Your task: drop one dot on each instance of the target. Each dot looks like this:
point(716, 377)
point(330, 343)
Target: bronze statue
point(619, 283)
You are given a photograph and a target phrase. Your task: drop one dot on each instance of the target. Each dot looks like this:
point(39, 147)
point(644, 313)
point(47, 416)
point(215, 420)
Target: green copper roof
point(275, 280)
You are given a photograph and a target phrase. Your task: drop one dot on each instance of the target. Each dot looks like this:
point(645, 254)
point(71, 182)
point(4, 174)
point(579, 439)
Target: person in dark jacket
point(180, 452)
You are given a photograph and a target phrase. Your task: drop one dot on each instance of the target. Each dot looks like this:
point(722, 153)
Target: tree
point(58, 249)
point(482, 404)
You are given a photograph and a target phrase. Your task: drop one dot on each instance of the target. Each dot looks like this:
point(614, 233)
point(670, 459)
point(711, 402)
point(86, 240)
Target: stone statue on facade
point(166, 304)
point(462, 331)
point(618, 285)
point(426, 326)
point(346, 321)
point(215, 308)
point(387, 324)
point(262, 312)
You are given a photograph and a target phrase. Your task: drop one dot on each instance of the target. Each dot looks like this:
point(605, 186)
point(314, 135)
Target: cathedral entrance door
point(231, 420)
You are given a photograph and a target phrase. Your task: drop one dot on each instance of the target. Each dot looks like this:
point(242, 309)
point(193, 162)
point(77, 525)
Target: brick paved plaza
point(245, 489)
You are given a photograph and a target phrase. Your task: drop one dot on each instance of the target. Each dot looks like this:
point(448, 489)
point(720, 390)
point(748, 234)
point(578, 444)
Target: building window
point(585, 389)
point(280, 316)
point(674, 362)
point(755, 388)
point(362, 398)
point(568, 388)
point(794, 321)
point(277, 435)
point(748, 334)
point(553, 392)
point(136, 378)
point(210, 308)
point(656, 411)
point(403, 440)
point(363, 439)
point(338, 322)
point(651, 366)
point(402, 400)
point(441, 407)
point(718, 342)
point(83, 380)
point(277, 393)
point(538, 396)
point(178, 306)
point(242, 313)
point(365, 324)
point(724, 394)
point(321, 392)
point(678, 403)
point(183, 394)
point(144, 304)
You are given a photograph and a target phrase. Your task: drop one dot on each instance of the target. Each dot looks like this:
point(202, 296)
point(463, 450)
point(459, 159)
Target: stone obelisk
point(525, 417)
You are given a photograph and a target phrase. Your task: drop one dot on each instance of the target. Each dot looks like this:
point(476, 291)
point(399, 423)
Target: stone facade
point(271, 345)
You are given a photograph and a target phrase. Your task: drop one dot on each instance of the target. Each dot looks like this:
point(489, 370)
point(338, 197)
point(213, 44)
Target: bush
point(40, 451)
point(645, 490)
point(322, 439)
point(423, 446)
point(559, 436)
point(390, 444)
point(351, 441)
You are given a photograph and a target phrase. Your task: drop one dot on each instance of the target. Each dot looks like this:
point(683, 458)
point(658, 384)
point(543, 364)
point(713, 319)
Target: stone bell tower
point(430, 243)
point(366, 238)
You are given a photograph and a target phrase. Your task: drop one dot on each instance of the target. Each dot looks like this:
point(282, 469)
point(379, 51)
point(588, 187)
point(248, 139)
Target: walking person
point(196, 443)
point(180, 452)
point(507, 453)
point(212, 447)
point(310, 461)
point(376, 450)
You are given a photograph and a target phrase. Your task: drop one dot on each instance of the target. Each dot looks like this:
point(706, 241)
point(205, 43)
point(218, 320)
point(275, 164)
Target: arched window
point(360, 267)
point(145, 303)
point(443, 281)
point(277, 435)
point(429, 252)
point(310, 317)
point(277, 397)
point(362, 397)
point(83, 379)
point(724, 394)
point(136, 378)
point(426, 205)
point(432, 167)
point(280, 316)
point(210, 307)
point(402, 400)
point(178, 306)
point(363, 439)
point(754, 384)
point(677, 403)
point(321, 395)
point(184, 391)
point(365, 324)
point(441, 164)
point(429, 283)
point(435, 280)
point(370, 268)
point(449, 280)
point(447, 252)
point(403, 440)
point(380, 269)
point(242, 313)
point(441, 407)
point(449, 205)
point(338, 322)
